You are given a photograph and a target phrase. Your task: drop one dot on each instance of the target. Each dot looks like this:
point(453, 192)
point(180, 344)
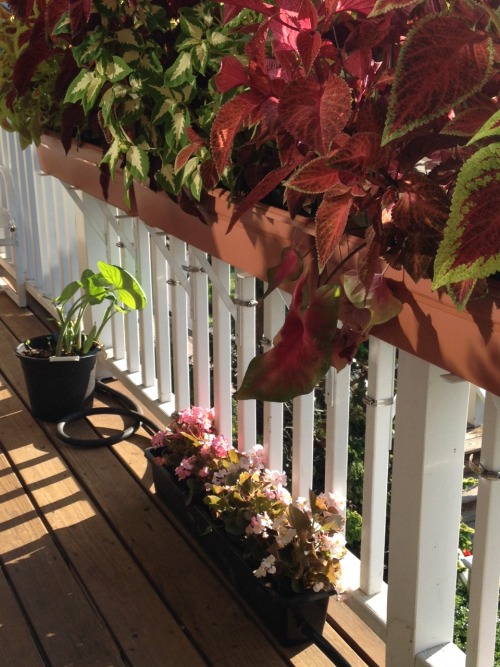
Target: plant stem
point(346, 259)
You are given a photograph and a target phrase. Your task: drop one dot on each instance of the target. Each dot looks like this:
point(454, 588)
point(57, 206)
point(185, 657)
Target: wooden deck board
point(108, 555)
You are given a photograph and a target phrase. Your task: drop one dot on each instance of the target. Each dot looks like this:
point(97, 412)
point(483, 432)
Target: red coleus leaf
point(288, 270)
point(315, 177)
point(413, 226)
point(314, 114)
point(369, 258)
point(331, 219)
point(263, 188)
point(229, 120)
point(185, 153)
point(423, 92)
point(467, 122)
point(471, 244)
point(302, 352)
point(79, 13)
point(38, 50)
point(230, 75)
point(308, 46)
point(361, 152)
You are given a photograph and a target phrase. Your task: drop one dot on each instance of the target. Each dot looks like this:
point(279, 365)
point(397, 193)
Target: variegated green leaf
point(112, 156)
point(200, 56)
point(84, 88)
point(191, 28)
point(189, 167)
point(218, 39)
point(117, 70)
point(162, 110)
point(138, 162)
point(180, 70)
point(470, 248)
point(131, 57)
point(126, 37)
point(131, 110)
point(180, 122)
point(107, 102)
point(196, 185)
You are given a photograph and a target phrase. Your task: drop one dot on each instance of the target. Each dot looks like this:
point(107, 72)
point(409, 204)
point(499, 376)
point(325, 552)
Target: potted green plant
point(60, 368)
point(283, 555)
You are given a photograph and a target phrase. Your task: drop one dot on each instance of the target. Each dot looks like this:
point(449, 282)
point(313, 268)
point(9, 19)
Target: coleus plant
point(373, 113)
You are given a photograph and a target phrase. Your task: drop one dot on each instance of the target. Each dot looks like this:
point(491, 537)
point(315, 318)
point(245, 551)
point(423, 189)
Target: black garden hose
point(130, 410)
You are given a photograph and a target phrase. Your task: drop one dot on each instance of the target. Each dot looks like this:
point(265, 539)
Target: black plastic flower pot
point(57, 386)
point(291, 616)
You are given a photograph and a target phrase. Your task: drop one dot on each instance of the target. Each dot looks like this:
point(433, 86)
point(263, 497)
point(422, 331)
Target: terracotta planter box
point(466, 344)
point(80, 168)
point(292, 618)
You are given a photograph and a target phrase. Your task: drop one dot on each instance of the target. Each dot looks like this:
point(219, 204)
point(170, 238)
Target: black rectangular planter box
point(286, 616)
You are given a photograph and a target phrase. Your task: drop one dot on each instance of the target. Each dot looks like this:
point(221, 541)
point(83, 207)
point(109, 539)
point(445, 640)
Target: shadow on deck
point(94, 570)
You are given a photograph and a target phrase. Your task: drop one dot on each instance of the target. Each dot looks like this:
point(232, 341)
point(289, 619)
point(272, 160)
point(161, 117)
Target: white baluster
point(425, 509)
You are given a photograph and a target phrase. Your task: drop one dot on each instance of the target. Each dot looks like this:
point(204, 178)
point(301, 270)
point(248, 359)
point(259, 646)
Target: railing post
point(337, 389)
point(222, 351)
point(274, 316)
point(378, 441)
point(199, 318)
point(485, 575)
point(302, 444)
point(245, 346)
point(425, 509)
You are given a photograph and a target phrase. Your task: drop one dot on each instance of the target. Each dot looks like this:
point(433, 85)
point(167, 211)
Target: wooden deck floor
point(94, 570)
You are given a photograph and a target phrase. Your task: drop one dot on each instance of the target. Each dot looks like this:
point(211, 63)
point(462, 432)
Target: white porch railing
point(49, 232)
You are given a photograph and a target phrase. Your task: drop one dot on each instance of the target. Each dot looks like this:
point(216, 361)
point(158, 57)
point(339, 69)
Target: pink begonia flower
point(220, 446)
point(259, 524)
point(157, 439)
point(333, 501)
point(256, 457)
point(277, 477)
point(184, 470)
point(204, 472)
point(335, 544)
point(199, 418)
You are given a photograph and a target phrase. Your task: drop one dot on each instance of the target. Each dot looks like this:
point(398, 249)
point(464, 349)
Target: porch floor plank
point(93, 568)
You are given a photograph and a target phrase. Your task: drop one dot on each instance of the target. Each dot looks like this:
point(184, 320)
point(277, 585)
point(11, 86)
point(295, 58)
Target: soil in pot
point(57, 386)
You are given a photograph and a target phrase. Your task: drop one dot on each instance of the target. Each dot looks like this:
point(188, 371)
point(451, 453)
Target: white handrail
point(64, 230)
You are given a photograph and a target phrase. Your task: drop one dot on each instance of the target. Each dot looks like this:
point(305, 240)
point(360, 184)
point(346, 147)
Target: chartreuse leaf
point(128, 289)
point(302, 353)
point(470, 248)
point(423, 92)
point(490, 129)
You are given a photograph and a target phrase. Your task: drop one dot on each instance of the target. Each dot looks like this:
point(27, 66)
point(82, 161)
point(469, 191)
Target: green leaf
point(490, 129)
point(129, 291)
point(470, 249)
